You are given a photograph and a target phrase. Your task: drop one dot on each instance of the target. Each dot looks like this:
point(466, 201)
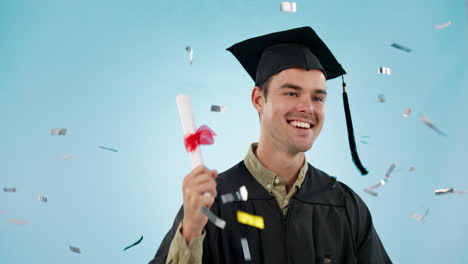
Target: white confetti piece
point(419, 217)
point(444, 25)
point(288, 7)
point(385, 70)
point(407, 112)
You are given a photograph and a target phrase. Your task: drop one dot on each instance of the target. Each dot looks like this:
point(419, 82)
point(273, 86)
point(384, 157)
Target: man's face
point(293, 113)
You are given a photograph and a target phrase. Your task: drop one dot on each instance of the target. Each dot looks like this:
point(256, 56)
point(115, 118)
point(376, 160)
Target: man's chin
point(303, 147)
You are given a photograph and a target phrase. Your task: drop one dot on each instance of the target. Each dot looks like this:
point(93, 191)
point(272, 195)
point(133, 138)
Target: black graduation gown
point(326, 223)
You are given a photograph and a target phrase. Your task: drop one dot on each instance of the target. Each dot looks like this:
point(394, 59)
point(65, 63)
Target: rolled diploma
point(184, 104)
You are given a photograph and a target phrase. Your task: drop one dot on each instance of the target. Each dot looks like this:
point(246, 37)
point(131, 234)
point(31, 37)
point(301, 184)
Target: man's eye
point(291, 94)
point(319, 99)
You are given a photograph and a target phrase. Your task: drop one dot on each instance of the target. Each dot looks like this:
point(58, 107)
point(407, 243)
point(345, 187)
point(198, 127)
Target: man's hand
point(199, 189)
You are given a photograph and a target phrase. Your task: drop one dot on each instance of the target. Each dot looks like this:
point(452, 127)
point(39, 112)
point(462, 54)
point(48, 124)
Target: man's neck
point(285, 165)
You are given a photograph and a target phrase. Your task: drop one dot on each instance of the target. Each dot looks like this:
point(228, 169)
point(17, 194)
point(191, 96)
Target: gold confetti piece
point(75, 250)
point(251, 220)
point(17, 221)
point(445, 25)
point(288, 7)
point(411, 169)
point(407, 112)
point(385, 70)
point(58, 131)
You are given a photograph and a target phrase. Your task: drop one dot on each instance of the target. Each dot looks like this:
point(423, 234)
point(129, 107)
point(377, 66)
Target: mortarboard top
point(264, 56)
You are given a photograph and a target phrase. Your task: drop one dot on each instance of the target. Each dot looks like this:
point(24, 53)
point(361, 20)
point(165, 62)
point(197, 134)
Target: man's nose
point(306, 105)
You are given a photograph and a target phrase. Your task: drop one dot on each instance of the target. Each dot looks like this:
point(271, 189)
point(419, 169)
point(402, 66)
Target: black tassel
point(349, 124)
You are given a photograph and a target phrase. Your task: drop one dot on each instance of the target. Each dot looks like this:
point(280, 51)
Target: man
point(309, 217)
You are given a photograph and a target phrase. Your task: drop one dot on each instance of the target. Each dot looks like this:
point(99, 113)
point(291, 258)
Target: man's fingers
point(208, 200)
point(209, 187)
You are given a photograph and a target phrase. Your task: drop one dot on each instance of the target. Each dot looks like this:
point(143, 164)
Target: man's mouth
point(299, 124)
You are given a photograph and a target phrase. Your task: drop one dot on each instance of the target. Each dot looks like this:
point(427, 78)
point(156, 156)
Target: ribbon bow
point(203, 136)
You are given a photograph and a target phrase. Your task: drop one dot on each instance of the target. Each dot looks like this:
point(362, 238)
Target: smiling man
point(309, 216)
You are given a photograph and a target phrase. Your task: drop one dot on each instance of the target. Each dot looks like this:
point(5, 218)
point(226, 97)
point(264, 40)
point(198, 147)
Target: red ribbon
point(203, 136)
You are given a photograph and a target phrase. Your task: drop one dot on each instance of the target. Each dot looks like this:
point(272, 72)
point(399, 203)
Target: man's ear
point(258, 99)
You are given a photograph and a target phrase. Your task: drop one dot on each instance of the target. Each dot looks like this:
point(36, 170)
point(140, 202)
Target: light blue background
point(109, 71)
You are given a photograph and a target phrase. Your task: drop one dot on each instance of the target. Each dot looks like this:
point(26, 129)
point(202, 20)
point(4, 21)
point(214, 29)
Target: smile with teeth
point(299, 124)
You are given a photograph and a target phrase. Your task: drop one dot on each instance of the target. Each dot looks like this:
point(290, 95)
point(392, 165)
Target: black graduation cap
point(267, 55)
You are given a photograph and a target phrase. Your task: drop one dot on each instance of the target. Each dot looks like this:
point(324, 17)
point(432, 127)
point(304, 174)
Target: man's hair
point(264, 87)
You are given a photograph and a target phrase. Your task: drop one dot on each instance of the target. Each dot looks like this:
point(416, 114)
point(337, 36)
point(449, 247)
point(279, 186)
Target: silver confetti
point(385, 70)
point(407, 112)
point(75, 250)
point(400, 47)
point(110, 149)
point(237, 196)
point(9, 189)
point(245, 249)
point(288, 7)
point(68, 156)
point(58, 131)
point(381, 98)
point(428, 122)
point(213, 218)
point(217, 108)
point(443, 191)
point(389, 171)
point(14, 221)
point(370, 189)
point(190, 51)
point(42, 198)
